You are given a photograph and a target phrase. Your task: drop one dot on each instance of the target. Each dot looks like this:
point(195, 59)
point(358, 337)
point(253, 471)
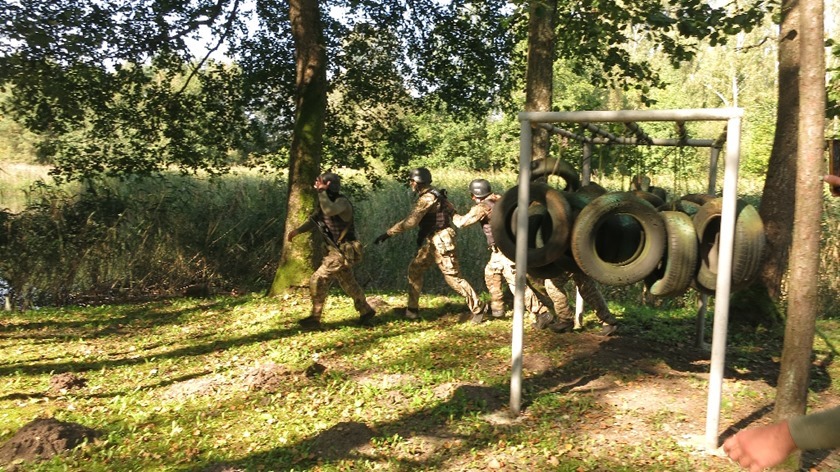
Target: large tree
point(794, 375)
point(778, 198)
point(307, 138)
point(113, 88)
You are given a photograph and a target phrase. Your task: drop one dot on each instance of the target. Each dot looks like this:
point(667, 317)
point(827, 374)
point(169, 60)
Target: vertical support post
point(586, 175)
point(700, 324)
point(724, 280)
point(517, 334)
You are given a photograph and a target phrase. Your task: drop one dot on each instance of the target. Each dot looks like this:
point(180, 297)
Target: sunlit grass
point(166, 387)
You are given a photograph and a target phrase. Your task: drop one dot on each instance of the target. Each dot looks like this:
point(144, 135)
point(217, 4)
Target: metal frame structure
point(733, 118)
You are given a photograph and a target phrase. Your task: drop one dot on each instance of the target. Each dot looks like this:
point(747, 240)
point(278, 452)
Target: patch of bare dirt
point(646, 391)
point(268, 377)
point(41, 439)
point(197, 387)
point(62, 383)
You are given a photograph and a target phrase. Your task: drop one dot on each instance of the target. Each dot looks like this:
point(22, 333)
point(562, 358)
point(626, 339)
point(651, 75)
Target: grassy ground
point(232, 384)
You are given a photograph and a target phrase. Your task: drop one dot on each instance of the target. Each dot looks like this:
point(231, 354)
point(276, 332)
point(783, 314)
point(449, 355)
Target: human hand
point(834, 182)
point(320, 185)
point(760, 447)
point(381, 237)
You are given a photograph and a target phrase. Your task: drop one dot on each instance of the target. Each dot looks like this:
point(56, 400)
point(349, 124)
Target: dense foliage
point(203, 85)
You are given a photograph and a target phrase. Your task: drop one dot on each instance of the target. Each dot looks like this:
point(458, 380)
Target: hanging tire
point(659, 192)
point(591, 191)
point(748, 245)
point(618, 239)
point(552, 166)
point(549, 224)
point(678, 266)
point(698, 198)
point(649, 197)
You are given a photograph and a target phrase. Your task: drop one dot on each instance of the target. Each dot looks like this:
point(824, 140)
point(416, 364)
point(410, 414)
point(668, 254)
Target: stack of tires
point(620, 238)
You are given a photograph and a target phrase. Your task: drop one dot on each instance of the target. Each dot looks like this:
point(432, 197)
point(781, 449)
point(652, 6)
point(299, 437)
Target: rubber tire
point(554, 226)
point(588, 237)
point(591, 191)
point(748, 246)
point(678, 267)
point(552, 166)
point(698, 198)
point(649, 197)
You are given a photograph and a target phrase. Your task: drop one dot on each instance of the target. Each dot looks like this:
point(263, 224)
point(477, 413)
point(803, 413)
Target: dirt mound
point(267, 377)
point(198, 387)
point(64, 382)
point(41, 439)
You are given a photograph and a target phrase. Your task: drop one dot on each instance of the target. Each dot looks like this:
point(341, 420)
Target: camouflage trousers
point(555, 288)
point(338, 265)
point(500, 271)
point(440, 250)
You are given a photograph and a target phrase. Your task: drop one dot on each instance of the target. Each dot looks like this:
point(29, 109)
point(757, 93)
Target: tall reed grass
point(159, 235)
point(15, 181)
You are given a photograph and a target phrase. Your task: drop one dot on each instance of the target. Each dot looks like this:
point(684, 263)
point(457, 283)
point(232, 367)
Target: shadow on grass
point(349, 440)
point(143, 316)
point(395, 315)
point(357, 440)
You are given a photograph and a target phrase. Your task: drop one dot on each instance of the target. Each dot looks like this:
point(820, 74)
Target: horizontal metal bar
point(690, 114)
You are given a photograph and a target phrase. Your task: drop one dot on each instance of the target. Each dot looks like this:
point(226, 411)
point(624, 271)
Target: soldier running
point(432, 214)
point(334, 219)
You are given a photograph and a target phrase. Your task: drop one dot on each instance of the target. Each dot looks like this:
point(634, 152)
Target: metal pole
point(517, 333)
point(700, 325)
point(690, 114)
point(724, 279)
point(586, 177)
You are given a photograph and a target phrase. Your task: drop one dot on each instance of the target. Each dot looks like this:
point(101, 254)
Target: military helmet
point(480, 188)
point(334, 181)
point(421, 175)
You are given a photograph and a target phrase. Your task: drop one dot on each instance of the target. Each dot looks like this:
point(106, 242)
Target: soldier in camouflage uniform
point(334, 219)
point(499, 268)
point(432, 214)
point(591, 294)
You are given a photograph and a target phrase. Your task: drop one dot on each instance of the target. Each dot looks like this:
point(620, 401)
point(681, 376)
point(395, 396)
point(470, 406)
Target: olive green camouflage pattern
point(338, 265)
point(555, 288)
point(440, 249)
point(500, 270)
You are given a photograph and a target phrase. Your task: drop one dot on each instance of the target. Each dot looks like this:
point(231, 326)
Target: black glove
point(381, 237)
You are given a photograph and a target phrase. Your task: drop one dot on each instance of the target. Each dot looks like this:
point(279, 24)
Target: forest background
point(195, 196)
point(141, 136)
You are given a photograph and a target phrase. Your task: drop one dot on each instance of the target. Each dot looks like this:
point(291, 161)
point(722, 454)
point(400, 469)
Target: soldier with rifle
point(334, 220)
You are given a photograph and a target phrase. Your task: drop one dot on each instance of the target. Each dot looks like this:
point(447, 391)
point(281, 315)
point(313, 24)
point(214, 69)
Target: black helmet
point(421, 175)
point(333, 179)
point(480, 188)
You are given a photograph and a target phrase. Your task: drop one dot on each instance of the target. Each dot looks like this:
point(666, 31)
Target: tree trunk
point(297, 259)
point(539, 76)
point(792, 389)
point(778, 198)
